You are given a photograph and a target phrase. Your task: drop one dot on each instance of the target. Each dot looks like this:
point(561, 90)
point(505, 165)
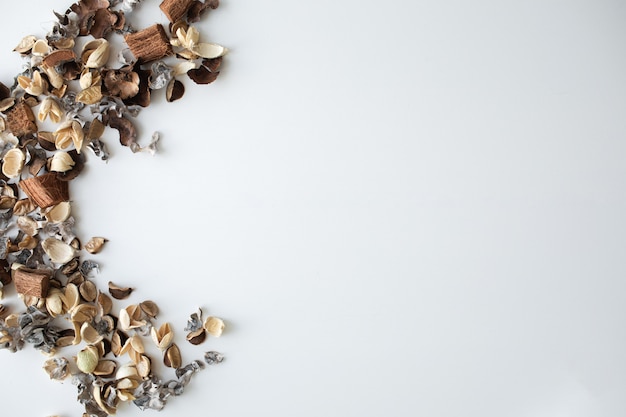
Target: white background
point(399, 208)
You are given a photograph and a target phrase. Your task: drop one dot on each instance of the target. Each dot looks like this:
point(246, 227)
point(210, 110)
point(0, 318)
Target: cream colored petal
point(61, 162)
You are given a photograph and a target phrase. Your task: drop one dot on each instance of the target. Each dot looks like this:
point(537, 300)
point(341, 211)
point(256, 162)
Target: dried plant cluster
point(76, 90)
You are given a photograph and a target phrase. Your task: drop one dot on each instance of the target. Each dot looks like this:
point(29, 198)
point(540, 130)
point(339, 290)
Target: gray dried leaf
point(213, 357)
point(57, 368)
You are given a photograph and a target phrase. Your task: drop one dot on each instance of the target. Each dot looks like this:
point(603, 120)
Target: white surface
point(400, 208)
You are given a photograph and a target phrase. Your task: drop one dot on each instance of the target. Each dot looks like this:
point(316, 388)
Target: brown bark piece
point(58, 57)
point(33, 282)
point(46, 190)
point(175, 9)
point(21, 120)
point(149, 44)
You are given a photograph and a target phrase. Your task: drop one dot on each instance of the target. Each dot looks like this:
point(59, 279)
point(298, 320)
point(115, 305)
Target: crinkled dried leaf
point(61, 162)
point(213, 357)
point(94, 246)
point(214, 326)
point(13, 162)
point(118, 292)
point(58, 251)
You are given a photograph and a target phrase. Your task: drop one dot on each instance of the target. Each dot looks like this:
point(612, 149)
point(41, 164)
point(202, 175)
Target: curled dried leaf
point(118, 292)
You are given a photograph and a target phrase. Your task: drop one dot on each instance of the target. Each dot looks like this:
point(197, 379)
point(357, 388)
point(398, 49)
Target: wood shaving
point(69, 83)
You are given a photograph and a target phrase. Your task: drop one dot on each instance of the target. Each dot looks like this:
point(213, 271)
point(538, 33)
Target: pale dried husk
point(95, 244)
point(162, 337)
point(61, 162)
point(96, 53)
point(60, 212)
point(26, 44)
point(172, 357)
point(13, 163)
point(214, 326)
point(28, 225)
point(50, 108)
point(68, 133)
point(58, 251)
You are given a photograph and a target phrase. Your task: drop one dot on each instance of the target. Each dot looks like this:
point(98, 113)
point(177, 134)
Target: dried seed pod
point(54, 302)
point(23, 207)
point(163, 337)
point(61, 162)
point(96, 53)
point(108, 323)
point(144, 366)
point(87, 359)
point(28, 225)
point(149, 308)
point(95, 245)
point(106, 368)
point(68, 133)
point(13, 162)
point(89, 334)
point(50, 108)
point(118, 340)
point(196, 337)
point(40, 47)
point(71, 297)
point(57, 368)
point(88, 291)
point(58, 214)
point(26, 44)
point(214, 326)
point(66, 338)
point(35, 86)
point(172, 357)
point(175, 90)
point(119, 293)
point(105, 303)
point(58, 251)
point(90, 95)
point(83, 313)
